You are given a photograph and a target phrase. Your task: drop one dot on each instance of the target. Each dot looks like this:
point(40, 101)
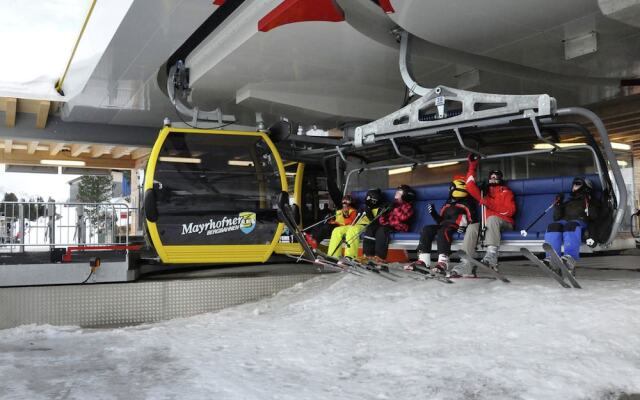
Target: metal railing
point(39, 226)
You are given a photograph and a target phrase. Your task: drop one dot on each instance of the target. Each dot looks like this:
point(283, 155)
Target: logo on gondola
point(244, 222)
point(248, 223)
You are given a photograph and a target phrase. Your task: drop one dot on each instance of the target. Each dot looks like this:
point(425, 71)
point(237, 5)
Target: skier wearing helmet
point(572, 218)
point(455, 215)
point(376, 240)
point(351, 233)
point(500, 207)
point(343, 217)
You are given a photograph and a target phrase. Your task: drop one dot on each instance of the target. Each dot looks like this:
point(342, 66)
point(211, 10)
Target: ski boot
point(379, 263)
point(490, 258)
point(421, 264)
point(570, 262)
point(460, 270)
point(416, 266)
point(442, 266)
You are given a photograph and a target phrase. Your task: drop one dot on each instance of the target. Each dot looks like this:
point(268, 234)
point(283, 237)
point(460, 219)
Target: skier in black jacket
point(572, 217)
point(458, 212)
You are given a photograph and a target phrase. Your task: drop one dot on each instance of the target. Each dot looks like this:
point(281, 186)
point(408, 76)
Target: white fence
point(39, 226)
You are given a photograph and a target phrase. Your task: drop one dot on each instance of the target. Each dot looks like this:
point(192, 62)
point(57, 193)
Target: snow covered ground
point(344, 337)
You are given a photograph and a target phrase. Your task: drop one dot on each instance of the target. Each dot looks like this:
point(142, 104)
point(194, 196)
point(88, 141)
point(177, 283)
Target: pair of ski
point(345, 264)
point(417, 273)
point(310, 255)
point(482, 267)
point(565, 278)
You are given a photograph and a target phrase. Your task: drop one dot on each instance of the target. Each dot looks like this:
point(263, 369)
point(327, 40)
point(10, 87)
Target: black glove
point(558, 199)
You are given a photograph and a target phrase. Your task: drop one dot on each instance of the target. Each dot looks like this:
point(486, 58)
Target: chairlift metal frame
point(478, 111)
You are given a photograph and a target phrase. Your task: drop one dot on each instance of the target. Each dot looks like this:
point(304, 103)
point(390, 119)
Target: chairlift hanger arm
point(179, 92)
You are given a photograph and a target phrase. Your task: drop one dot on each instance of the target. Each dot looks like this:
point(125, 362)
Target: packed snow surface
point(346, 337)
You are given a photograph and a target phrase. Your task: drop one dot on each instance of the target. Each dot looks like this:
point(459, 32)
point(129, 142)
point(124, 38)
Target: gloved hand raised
point(472, 159)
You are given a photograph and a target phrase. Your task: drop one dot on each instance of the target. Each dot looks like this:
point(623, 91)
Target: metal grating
point(134, 303)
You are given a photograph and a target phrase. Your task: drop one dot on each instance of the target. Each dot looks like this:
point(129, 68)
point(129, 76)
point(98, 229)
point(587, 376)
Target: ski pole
point(357, 218)
point(327, 218)
point(524, 233)
point(342, 240)
point(380, 214)
point(483, 218)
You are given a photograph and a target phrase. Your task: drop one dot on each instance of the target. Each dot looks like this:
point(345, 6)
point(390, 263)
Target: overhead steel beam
point(70, 132)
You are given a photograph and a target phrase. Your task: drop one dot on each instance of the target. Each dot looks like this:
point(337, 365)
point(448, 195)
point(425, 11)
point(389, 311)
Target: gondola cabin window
point(216, 189)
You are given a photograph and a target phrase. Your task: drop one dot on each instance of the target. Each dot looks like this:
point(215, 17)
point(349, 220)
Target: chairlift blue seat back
point(532, 197)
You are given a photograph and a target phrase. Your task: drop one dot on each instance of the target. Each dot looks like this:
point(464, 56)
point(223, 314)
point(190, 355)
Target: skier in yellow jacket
point(351, 232)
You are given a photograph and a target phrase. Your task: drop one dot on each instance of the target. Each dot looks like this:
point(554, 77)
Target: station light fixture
point(397, 171)
point(184, 160)
point(623, 163)
point(442, 164)
point(621, 146)
point(546, 146)
point(64, 163)
point(240, 163)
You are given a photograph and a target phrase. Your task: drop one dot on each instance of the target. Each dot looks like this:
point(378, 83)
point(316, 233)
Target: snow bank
point(344, 337)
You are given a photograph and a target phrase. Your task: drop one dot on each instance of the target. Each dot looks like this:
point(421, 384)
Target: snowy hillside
point(344, 337)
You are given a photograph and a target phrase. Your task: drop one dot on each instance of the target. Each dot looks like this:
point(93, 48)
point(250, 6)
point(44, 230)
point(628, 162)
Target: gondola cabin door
point(210, 196)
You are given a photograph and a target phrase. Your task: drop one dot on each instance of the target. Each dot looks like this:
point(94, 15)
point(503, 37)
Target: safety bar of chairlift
point(488, 157)
point(613, 164)
point(536, 128)
point(395, 147)
point(464, 146)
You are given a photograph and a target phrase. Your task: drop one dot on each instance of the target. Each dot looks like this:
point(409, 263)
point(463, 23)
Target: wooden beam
point(55, 148)
point(139, 153)
point(77, 149)
point(617, 107)
point(631, 129)
point(28, 106)
point(10, 106)
point(119, 152)
point(32, 147)
point(98, 150)
point(8, 146)
point(42, 114)
point(140, 163)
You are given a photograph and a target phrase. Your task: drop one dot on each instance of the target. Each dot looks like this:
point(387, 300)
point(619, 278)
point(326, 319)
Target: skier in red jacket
point(500, 208)
point(376, 237)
